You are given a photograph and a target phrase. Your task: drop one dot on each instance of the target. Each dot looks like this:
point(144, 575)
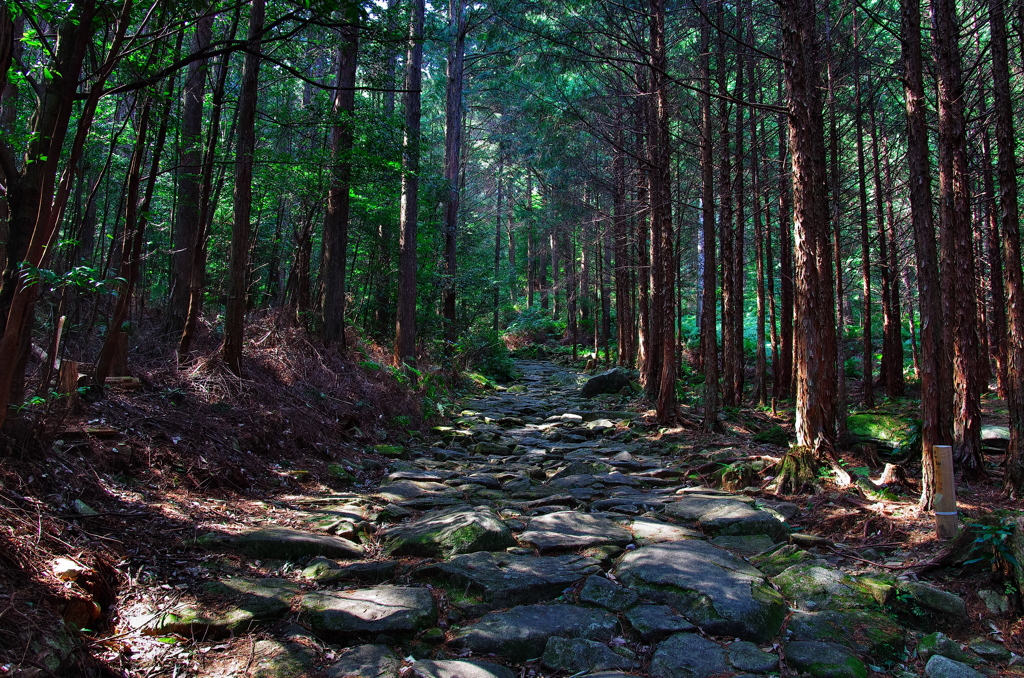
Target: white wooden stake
point(945, 492)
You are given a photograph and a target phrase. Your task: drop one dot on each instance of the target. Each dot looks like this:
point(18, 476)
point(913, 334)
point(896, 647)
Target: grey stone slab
point(688, 655)
point(746, 656)
point(718, 592)
point(656, 622)
point(649, 531)
point(282, 543)
point(413, 489)
point(503, 579)
point(824, 660)
point(225, 607)
point(449, 668)
point(521, 633)
point(605, 593)
point(745, 545)
point(943, 667)
point(575, 655)
point(366, 661)
point(369, 611)
point(443, 533)
point(864, 631)
point(573, 530)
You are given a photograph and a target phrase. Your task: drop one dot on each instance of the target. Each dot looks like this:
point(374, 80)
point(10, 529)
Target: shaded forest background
point(750, 202)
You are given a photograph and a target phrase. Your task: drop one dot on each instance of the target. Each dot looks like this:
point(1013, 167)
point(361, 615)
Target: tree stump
point(67, 381)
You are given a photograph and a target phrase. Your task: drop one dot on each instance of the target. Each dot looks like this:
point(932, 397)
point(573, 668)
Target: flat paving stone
point(224, 608)
point(366, 661)
point(688, 655)
point(575, 655)
point(403, 490)
point(521, 633)
point(717, 591)
point(824, 660)
point(504, 579)
point(446, 532)
point(282, 543)
point(573, 530)
point(648, 531)
point(373, 610)
point(427, 668)
point(656, 622)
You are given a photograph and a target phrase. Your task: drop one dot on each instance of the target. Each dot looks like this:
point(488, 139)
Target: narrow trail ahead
point(539, 533)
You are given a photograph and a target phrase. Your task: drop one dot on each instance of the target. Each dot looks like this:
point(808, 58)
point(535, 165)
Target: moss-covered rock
point(390, 450)
point(939, 643)
point(282, 543)
point(781, 559)
point(813, 587)
point(370, 611)
point(720, 593)
point(824, 660)
point(274, 659)
point(461, 529)
point(224, 608)
point(928, 607)
point(884, 430)
point(605, 593)
point(864, 631)
point(576, 655)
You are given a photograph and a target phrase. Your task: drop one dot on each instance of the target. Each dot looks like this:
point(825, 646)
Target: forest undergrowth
point(103, 482)
point(115, 485)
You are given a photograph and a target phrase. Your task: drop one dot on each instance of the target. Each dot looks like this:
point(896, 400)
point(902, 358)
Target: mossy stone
point(824, 660)
point(781, 559)
point(884, 430)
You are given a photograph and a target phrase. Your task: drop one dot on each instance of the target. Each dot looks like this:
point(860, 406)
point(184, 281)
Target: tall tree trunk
point(867, 352)
point(35, 197)
point(405, 324)
point(784, 378)
point(1013, 480)
point(336, 218)
point(761, 364)
point(997, 290)
point(773, 311)
point(738, 265)
point(725, 223)
point(198, 249)
point(131, 249)
point(452, 159)
point(835, 188)
point(238, 272)
point(187, 217)
point(892, 346)
point(708, 320)
point(497, 242)
point(623, 279)
point(934, 379)
point(957, 247)
point(606, 253)
point(815, 327)
point(661, 211)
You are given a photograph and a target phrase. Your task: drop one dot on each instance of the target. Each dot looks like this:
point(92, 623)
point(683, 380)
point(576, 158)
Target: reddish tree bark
point(815, 327)
point(934, 375)
point(405, 324)
point(1013, 480)
point(335, 244)
point(238, 272)
point(957, 249)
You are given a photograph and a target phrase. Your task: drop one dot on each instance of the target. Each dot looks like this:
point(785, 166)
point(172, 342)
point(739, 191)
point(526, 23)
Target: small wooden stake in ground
point(67, 381)
point(945, 493)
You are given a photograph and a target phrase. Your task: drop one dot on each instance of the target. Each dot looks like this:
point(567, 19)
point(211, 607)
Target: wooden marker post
point(945, 492)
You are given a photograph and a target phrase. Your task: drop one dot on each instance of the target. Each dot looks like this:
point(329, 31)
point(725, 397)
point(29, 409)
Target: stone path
point(543, 532)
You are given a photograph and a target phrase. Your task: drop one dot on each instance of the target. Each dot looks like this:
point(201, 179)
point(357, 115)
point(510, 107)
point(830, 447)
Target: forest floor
point(397, 547)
